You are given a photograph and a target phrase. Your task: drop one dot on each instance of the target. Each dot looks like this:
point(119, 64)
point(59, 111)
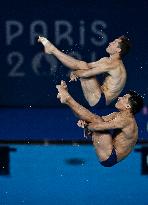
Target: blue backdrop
point(82, 29)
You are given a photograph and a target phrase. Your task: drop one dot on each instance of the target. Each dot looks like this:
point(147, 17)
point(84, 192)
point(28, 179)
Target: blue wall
point(50, 124)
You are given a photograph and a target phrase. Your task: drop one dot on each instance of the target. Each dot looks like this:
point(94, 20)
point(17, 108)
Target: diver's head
point(131, 101)
point(119, 46)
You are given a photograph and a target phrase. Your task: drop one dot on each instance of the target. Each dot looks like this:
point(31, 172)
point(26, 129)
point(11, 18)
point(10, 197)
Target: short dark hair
point(125, 45)
point(136, 101)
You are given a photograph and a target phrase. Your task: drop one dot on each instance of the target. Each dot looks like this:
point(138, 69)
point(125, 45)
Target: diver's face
point(123, 102)
point(114, 47)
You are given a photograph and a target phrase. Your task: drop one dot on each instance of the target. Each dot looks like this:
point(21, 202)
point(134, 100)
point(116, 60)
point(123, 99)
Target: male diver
point(113, 84)
point(115, 135)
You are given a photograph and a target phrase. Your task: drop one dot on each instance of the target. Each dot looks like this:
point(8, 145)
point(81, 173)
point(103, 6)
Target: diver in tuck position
point(113, 84)
point(114, 136)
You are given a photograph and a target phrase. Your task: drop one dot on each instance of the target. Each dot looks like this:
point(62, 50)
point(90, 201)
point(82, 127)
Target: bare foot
point(48, 46)
point(63, 94)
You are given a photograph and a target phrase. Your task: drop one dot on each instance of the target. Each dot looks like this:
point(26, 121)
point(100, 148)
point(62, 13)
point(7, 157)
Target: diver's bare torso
point(115, 81)
point(123, 139)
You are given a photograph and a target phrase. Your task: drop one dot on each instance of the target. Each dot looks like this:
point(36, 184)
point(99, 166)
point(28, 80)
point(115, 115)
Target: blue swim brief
point(111, 161)
point(100, 104)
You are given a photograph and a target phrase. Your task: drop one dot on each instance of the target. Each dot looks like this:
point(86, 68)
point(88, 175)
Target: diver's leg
point(67, 60)
point(91, 90)
point(78, 109)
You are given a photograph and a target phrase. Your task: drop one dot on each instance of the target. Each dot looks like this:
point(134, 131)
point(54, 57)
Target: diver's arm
point(118, 122)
